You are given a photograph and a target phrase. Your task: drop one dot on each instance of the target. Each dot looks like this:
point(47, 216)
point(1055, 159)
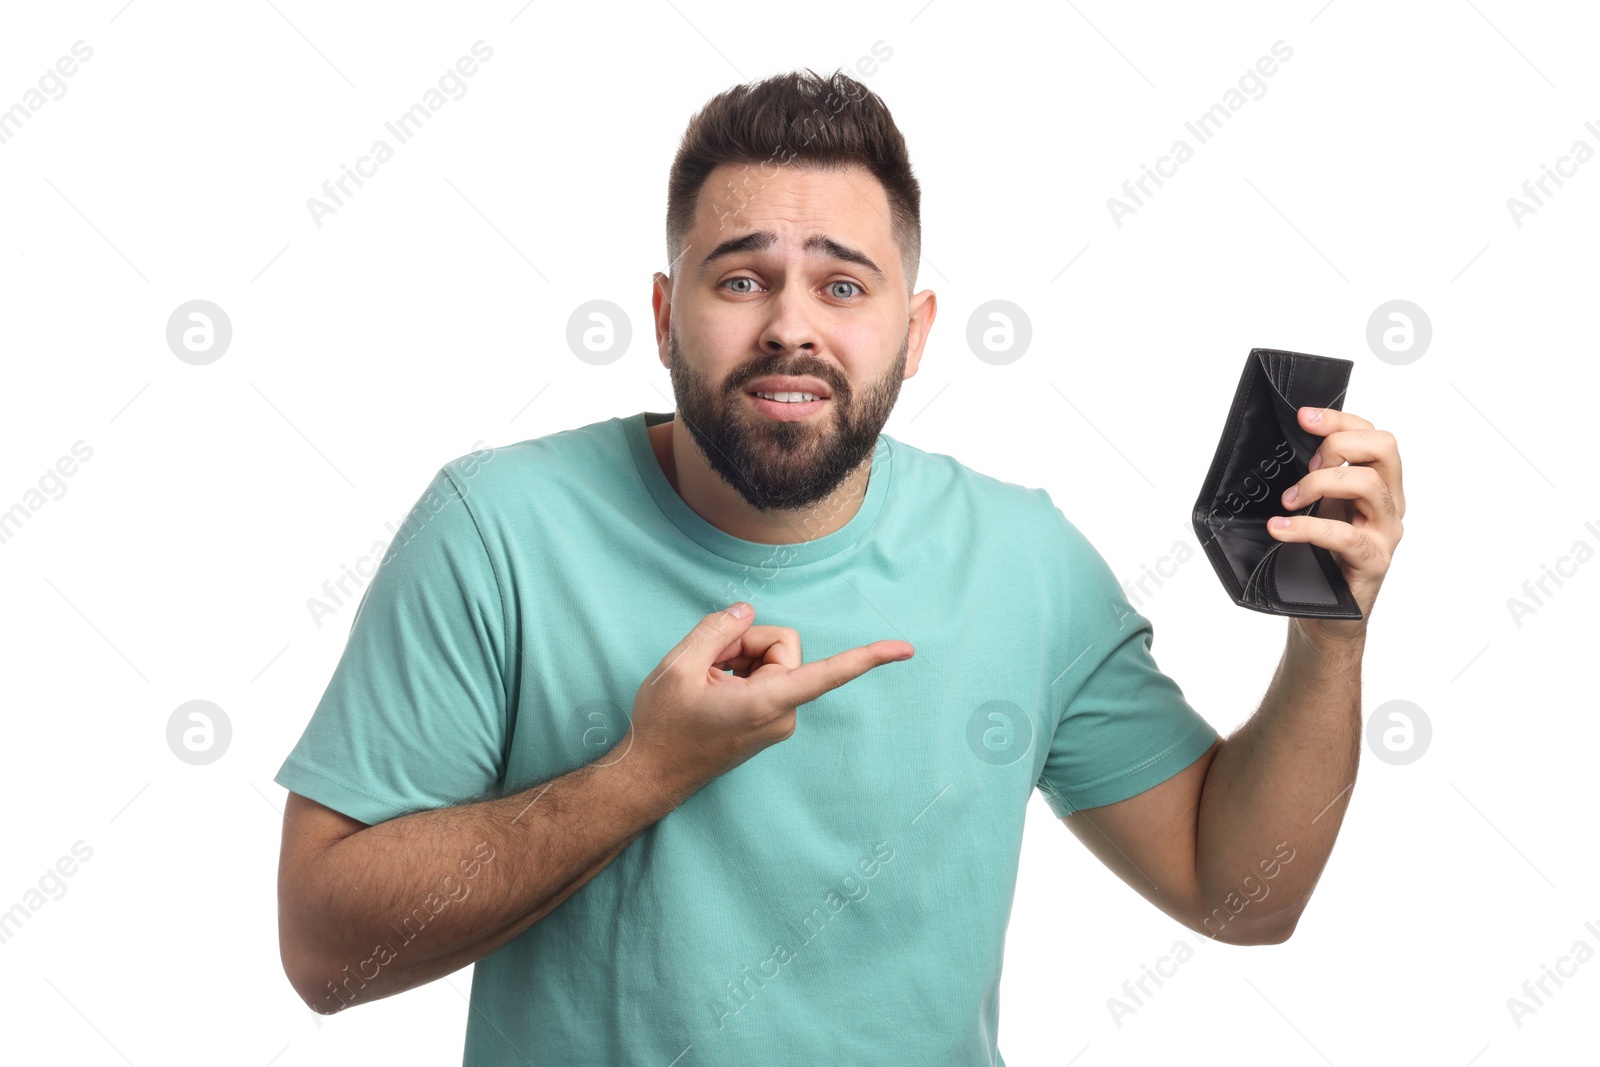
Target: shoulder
point(1021, 528)
point(494, 479)
point(1027, 516)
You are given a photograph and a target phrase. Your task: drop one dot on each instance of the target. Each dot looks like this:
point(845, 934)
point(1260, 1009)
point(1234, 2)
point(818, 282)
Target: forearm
point(1276, 792)
point(403, 902)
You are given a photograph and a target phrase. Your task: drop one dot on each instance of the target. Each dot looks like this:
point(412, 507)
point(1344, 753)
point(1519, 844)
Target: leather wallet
point(1263, 451)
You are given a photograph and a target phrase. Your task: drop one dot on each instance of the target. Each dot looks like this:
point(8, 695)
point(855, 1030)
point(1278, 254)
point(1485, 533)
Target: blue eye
point(856, 290)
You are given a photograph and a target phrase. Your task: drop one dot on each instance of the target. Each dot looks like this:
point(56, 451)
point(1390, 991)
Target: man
point(664, 833)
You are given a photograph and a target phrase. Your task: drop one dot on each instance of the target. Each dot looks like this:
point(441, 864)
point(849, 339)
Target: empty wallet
point(1263, 451)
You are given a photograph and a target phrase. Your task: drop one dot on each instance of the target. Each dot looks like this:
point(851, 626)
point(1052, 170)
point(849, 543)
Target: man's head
point(794, 234)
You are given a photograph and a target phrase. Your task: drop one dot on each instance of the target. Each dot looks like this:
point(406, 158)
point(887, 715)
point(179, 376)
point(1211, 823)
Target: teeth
point(788, 398)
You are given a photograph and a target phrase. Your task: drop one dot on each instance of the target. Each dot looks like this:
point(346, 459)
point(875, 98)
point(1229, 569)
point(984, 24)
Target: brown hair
point(803, 119)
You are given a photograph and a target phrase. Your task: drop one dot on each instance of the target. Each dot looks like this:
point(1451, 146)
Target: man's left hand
point(1357, 470)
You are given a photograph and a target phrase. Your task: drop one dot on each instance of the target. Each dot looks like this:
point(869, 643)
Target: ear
point(661, 311)
point(923, 309)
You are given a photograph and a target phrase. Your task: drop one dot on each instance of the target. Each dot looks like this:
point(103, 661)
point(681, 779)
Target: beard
point(775, 464)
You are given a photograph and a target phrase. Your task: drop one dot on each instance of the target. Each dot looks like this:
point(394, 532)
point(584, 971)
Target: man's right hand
point(693, 721)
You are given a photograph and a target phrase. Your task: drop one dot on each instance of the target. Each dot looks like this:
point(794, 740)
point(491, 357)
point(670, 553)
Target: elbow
point(1247, 925)
point(304, 985)
point(1269, 929)
point(309, 977)
point(1266, 934)
point(322, 1001)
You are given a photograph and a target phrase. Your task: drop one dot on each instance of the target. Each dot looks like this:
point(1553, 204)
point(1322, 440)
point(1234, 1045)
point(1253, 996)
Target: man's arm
point(369, 911)
point(1233, 845)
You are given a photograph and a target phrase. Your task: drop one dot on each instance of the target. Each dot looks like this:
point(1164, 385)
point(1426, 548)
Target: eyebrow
point(760, 240)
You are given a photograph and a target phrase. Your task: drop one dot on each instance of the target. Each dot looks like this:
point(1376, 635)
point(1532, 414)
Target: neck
point(721, 505)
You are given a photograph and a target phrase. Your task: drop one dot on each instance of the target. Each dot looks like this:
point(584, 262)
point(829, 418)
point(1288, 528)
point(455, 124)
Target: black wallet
point(1263, 451)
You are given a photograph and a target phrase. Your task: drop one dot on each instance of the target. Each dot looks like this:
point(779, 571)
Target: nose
point(789, 325)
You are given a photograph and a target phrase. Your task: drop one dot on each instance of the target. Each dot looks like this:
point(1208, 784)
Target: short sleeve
point(1124, 725)
point(415, 714)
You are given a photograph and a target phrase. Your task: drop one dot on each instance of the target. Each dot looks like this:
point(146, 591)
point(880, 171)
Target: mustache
point(739, 383)
point(805, 367)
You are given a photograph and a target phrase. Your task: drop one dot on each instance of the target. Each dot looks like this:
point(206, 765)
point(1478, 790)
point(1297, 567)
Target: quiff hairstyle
point(795, 119)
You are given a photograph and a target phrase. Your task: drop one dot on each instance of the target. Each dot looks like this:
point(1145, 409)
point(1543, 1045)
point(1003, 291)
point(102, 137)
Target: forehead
point(792, 200)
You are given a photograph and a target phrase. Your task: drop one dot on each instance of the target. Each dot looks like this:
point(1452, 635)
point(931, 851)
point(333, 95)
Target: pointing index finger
point(810, 680)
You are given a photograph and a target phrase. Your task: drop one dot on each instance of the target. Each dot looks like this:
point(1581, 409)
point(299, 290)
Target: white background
point(430, 311)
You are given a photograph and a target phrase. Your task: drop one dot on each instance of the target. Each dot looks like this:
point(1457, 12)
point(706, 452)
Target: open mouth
point(787, 406)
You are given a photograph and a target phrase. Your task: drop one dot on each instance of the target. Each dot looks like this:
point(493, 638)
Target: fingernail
point(740, 610)
point(1280, 522)
point(1315, 416)
point(1290, 495)
point(1316, 461)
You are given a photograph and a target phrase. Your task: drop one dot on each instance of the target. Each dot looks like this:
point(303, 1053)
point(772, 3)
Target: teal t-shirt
point(840, 897)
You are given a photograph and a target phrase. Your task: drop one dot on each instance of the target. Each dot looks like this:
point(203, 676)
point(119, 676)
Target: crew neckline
point(719, 542)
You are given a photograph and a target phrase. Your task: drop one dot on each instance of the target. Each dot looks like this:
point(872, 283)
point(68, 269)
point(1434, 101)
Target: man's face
point(835, 313)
